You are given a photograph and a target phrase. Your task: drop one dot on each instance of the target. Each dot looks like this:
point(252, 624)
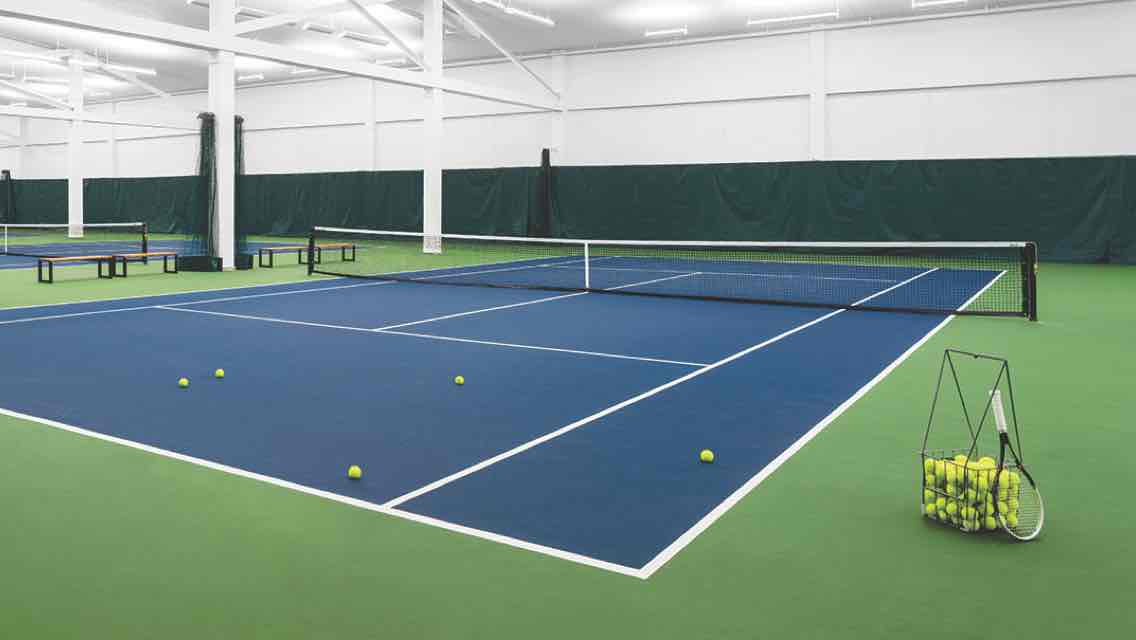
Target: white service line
point(277, 293)
point(704, 523)
point(263, 319)
point(477, 311)
point(626, 403)
point(598, 354)
point(738, 274)
point(639, 284)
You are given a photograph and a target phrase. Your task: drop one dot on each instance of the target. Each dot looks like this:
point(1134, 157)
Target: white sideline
point(704, 523)
point(441, 482)
point(327, 495)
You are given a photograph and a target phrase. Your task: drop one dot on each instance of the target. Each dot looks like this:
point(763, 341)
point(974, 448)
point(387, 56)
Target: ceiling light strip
point(802, 18)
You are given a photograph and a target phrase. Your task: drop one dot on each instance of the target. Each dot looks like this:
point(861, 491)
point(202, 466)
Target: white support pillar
point(112, 142)
point(560, 150)
point(18, 169)
point(818, 95)
point(75, 155)
point(432, 131)
point(369, 127)
point(222, 103)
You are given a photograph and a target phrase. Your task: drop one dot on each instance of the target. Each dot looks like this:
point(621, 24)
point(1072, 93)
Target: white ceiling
point(580, 25)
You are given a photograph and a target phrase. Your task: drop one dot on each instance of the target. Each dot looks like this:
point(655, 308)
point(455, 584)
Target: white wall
point(1055, 82)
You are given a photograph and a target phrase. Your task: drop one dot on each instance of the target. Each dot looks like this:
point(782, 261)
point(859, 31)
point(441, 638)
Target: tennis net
point(57, 240)
point(977, 278)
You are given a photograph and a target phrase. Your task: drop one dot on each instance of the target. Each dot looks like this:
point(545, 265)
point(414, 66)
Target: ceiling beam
point(90, 19)
point(295, 17)
point(485, 34)
point(90, 116)
point(392, 36)
point(31, 93)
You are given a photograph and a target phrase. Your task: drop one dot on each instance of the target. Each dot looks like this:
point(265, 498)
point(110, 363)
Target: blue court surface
point(576, 434)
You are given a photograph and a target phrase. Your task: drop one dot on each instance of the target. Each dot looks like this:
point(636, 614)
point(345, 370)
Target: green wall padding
point(1076, 209)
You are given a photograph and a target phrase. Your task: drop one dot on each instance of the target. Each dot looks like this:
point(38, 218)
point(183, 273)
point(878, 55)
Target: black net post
point(1029, 281)
point(312, 253)
point(203, 229)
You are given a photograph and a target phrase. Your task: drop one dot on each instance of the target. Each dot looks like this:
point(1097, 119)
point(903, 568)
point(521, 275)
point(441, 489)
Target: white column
point(818, 90)
point(371, 131)
point(112, 142)
point(222, 102)
point(75, 154)
point(560, 151)
point(18, 169)
point(432, 131)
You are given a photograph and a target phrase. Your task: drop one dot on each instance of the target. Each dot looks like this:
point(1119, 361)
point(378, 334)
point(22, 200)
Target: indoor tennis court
point(565, 318)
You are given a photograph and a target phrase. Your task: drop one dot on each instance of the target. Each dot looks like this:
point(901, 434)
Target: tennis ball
point(942, 515)
point(951, 489)
point(986, 462)
point(941, 503)
point(929, 466)
point(183, 383)
point(1003, 507)
point(459, 380)
point(983, 484)
point(928, 496)
point(706, 456)
point(971, 495)
point(1012, 520)
point(929, 480)
point(960, 460)
point(940, 470)
point(952, 507)
point(220, 373)
point(1013, 504)
point(952, 475)
point(990, 523)
point(1015, 480)
point(354, 472)
point(929, 510)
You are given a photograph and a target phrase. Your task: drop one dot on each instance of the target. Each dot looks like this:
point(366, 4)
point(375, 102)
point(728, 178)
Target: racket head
point(1025, 522)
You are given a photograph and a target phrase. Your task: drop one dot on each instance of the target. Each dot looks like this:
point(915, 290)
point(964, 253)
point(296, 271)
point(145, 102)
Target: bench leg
point(39, 272)
point(166, 264)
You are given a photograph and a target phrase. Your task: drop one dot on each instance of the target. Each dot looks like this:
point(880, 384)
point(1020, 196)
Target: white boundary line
point(441, 482)
point(327, 495)
point(739, 274)
point(262, 319)
point(598, 354)
point(690, 534)
point(171, 305)
point(477, 311)
point(322, 278)
point(639, 284)
point(644, 573)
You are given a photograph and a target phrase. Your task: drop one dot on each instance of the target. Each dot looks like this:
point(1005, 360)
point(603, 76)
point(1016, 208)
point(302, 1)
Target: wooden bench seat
point(125, 258)
point(51, 262)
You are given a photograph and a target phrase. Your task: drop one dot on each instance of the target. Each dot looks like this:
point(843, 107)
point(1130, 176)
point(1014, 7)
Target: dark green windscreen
point(1076, 209)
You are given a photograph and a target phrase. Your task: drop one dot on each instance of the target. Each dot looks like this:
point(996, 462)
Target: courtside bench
point(125, 258)
point(272, 251)
point(299, 250)
point(51, 262)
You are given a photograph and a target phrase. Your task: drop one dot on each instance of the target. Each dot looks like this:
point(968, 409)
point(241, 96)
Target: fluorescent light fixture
point(46, 80)
point(98, 94)
point(252, 77)
point(361, 37)
point(27, 55)
point(7, 76)
point(17, 104)
point(806, 17)
point(662, 33)
point(200, 3)
point(390, 61)
point(124, 68)
point(496, 4)
point(923, 4)
point(528, 15)
point(302, 71)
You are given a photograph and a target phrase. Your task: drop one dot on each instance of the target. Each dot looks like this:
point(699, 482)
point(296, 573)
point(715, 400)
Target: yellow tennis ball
point(1003, 507)
point(930, 511)
point(1013, 504)
point(1012, 520)
point(929, 466)
point(183, 383)
point(952, 507)
point(952, 474)
point(928, 496)
point(960, 460)
point(1015, 480)
point(220, 373)
point(354, 472)
point(459, 380)
point(990, 523)
point(929, 480)
point(941, 503)
point(940, 470)
point(706, 456)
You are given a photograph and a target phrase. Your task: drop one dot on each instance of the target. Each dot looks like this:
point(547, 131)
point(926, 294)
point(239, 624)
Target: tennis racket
point(1020, 510)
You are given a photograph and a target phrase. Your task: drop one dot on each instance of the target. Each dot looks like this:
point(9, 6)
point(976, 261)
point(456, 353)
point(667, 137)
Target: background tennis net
point(55, 240)
point(990, 278)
